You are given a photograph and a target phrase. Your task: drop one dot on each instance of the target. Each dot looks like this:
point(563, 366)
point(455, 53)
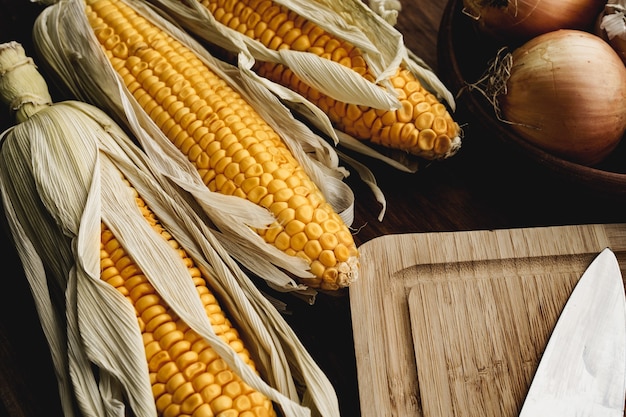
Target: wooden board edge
point(367, 301)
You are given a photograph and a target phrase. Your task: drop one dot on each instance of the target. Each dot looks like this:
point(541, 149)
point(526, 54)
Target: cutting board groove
point(454, 323)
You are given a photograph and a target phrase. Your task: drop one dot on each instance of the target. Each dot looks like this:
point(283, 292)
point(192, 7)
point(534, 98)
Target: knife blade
point(582, 371)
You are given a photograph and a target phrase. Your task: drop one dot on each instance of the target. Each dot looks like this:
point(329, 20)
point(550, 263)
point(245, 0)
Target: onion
point(563, 91)
point(520, 20)
point(611, 26)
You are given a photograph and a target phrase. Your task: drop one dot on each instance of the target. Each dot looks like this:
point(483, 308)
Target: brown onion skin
point(567, 95)
point(516, 21)
point(619, 45)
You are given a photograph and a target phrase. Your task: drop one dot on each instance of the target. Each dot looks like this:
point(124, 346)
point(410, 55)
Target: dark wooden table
point(486, 186)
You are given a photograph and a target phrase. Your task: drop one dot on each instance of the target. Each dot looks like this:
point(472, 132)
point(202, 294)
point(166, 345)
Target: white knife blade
point(582, 371)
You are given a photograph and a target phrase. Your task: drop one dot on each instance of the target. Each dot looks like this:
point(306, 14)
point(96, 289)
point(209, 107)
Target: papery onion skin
point(611, 26)
point(517, 21)
point(567, 95)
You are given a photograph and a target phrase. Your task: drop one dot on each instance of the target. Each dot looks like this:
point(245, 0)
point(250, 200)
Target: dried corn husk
point(352, 20)
point(65, 40)
point(61, 175)
point(382, 44)
point(387, 9)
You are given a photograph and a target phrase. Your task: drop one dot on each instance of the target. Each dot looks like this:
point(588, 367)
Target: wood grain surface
point(452, 324)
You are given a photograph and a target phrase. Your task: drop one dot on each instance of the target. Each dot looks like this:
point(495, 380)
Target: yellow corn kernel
point(180, 370)
point(235, 151)
point(302, 35)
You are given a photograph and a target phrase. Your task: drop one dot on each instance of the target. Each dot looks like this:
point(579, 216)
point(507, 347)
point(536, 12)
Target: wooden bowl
point(463, 56)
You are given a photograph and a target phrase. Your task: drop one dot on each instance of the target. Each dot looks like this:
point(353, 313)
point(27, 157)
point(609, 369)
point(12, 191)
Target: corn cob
point(187, 375)
point(234, 150)
point(421, 125)
point(70, 181)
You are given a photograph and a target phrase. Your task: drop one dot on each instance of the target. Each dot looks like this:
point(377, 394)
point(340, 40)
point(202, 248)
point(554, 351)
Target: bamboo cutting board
point(453, 323)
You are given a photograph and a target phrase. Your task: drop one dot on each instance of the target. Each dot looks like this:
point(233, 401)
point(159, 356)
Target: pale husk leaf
point(387, 9)
point(65, 40)
point(60, 176)
point(329, 77)
point(369, 29)
point(34, 271)
point(101, 325)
